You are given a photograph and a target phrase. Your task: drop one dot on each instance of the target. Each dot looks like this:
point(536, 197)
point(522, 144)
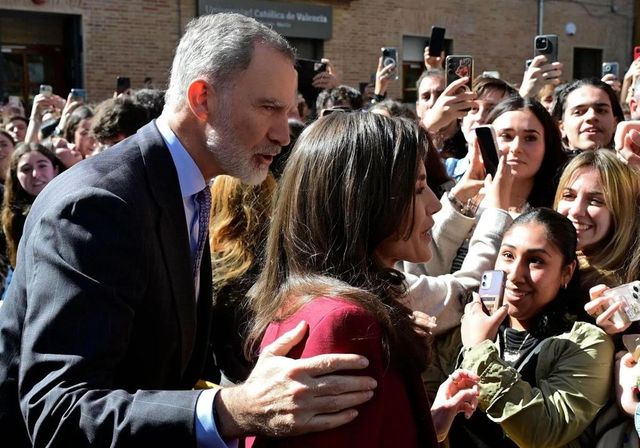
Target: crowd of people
point(224, 264)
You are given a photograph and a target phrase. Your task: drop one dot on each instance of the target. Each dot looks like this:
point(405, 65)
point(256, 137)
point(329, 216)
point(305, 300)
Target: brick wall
point(136, 38)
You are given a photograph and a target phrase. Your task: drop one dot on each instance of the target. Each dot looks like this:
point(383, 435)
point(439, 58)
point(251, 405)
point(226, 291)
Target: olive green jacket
point(573, 375)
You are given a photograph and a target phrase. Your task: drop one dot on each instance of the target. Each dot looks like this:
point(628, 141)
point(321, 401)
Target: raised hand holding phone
point(454, 102)
point(491, 291)
point(540, 72)
point(477, 326)
point(486, 138)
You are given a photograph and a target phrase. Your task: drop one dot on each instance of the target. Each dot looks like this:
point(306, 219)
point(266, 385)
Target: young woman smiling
point(543, 374)
point(599, 194)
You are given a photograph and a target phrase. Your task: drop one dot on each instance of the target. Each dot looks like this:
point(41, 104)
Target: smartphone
point(636, 52)
point(436, 41)
point(629, 295)
point(390, 56)
point(123, 84)
point(491, 290)
point(546, 44)
point(458, 66)
point(78, 95)
point(486, 136)
point(307, 69)
point(46, 90)
point(610, 68)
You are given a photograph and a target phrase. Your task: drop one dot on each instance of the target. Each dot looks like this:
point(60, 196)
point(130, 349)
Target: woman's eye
point(506, 255)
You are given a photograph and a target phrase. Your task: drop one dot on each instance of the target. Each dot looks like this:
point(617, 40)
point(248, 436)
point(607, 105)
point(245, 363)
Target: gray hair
point(216, 47)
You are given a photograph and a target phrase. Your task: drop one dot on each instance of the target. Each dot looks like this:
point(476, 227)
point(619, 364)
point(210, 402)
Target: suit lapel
point(165, 188)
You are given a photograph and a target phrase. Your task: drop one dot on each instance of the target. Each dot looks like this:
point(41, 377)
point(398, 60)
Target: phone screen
point(436, 41)
point(307, 70)
point(488, 148)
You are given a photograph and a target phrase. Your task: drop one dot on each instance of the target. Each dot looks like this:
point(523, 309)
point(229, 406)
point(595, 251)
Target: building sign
point(289, 19)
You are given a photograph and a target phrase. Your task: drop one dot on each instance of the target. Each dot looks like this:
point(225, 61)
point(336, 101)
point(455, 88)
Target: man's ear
point(201, 99)
point(561, 127)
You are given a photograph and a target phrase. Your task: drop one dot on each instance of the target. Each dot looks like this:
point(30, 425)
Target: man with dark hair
point(342, 96)
point(116, 119)
point(17, 127)
point(105, 328)
point(152, 100)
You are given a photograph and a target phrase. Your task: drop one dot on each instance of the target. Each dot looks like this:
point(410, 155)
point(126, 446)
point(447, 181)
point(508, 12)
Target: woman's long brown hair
point(349, 184)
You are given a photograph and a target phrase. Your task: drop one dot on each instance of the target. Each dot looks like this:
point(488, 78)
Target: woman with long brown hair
point(352, 202)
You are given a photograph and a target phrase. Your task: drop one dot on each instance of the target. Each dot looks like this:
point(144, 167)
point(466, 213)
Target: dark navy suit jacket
point(101, 336)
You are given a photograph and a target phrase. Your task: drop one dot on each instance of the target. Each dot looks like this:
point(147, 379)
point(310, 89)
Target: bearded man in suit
point(105, 328)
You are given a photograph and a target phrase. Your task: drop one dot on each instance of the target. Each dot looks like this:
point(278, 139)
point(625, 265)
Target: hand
point(432, 62)
point(476, 326)
point(69, 107)
point(459, 393)
point(601, 308)
point(627, 142)
point(424, 323)
point(472, 181)
point(454, 103)
point(328, 79)
point(384, 74)
point(538, 75)
point(613, 81)
point(626, 382)
point(634, 71)
point(497, 192)
point(42, 103)
point(284, 396)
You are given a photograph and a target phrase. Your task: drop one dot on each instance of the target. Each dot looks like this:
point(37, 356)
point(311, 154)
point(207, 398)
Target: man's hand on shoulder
point(285, 396)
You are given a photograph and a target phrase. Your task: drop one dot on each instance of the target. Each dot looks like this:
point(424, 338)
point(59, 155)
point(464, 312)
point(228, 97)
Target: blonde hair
point(615, 259)
point(240, 215)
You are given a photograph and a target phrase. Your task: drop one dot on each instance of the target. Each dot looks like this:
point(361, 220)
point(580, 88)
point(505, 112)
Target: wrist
point(467, 208)
point(226, 416)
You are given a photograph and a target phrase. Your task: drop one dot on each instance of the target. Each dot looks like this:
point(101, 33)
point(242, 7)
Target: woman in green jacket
point(544, 374)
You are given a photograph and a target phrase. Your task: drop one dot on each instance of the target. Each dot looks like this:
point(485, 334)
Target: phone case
point(610, 68)
point(436, 41)
point(458, 66)
point(488, 147)
point(629, 295)
point(390, 56)
point(491, 290)
point(546, 44)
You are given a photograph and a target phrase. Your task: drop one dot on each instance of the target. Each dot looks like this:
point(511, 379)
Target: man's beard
point(233, 159)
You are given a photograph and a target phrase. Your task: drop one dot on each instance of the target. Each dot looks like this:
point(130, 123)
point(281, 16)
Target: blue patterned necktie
point(203, 199)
